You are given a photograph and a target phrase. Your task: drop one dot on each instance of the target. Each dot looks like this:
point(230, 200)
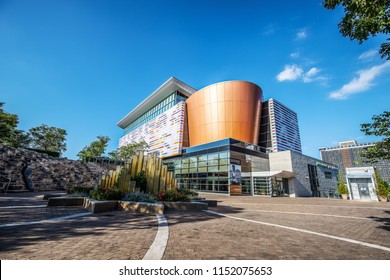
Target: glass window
point(224, 161)
point(223, 154)
point(212, 156)
point(184, 170)
point(223, 168)
point(202, 158)
point(213, 168)
point(328, 175)
point(212, 162)
point(193, 160)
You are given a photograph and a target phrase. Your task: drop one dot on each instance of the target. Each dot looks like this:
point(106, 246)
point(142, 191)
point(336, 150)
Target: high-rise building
point(279, 130)
point(347, 155)
point(209, 138)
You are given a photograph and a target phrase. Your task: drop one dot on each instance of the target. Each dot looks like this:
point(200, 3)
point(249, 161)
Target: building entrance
point(280, 187)
point(364, 191)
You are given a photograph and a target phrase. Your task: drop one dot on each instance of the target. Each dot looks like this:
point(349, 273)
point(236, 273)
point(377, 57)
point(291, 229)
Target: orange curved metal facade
point(224, 110)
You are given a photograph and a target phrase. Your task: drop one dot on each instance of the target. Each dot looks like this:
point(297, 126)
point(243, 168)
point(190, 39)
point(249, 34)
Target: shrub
point(174, 195)
point(79, 194)
point(107, 194)
point(141, 181)
point(139, 197)
point(382, 187)
point(84, 191)
point(342, 186)
point(188, 192)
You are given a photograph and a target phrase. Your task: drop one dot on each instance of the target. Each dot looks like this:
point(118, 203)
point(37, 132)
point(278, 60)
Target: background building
point(347, 155)
point(361, 183)
point(279, 130)
point(212, 140)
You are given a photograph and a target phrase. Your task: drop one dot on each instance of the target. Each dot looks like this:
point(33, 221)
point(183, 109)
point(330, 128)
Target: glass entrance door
point(280, 187)
point(363, 189)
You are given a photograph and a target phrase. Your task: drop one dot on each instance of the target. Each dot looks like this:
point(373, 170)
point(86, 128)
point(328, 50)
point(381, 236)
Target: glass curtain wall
point(261, 186)
point(206, 167)
point(206, 173)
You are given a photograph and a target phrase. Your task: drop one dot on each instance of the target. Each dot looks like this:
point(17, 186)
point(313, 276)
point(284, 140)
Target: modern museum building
point(224, 138)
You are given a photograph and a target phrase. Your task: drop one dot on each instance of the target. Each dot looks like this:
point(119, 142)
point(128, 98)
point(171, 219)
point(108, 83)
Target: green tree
point(95, 149)
point(9, 134)
point(364, 18)
point(382, 187)
point(48, 138)
point(8, 124)
point(342, 185)
point(379, 127)
point(127, 151)
point(22, 139)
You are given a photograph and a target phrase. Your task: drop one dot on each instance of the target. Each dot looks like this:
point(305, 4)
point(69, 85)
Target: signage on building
point(235, 161)
point(235, 172)
point(235, 189)
point(326, 165)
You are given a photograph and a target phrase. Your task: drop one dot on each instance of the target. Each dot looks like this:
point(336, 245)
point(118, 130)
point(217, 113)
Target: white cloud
point(312, 72)
point(295, 55)
point(295, 72)
point(361, 83)
point(309, 76)
point(302, 34)
point(368, 55)
point(290, 73)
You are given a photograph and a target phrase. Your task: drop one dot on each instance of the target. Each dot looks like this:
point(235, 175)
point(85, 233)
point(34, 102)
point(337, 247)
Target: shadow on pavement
point(384, 222)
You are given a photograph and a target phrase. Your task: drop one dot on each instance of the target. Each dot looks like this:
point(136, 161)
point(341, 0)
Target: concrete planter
point(97, 206)
point(382, 199)
point(141, 207)
point(186, 206)
point(344, 196)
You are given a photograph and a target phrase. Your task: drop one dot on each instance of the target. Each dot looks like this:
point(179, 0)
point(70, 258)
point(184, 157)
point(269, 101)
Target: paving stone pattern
point(111, 235)
point(200, 235)
point(203, 236)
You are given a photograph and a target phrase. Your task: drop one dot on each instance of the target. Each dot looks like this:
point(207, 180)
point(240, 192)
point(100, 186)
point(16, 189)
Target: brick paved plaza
point(239, 228)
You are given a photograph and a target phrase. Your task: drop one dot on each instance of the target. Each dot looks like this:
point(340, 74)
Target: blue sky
point(83, 65)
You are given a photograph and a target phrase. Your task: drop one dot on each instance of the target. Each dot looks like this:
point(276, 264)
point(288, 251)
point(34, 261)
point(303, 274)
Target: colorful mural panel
point(164, 134)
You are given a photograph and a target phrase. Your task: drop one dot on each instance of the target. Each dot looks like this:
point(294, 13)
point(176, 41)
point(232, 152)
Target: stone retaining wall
point(30, 170)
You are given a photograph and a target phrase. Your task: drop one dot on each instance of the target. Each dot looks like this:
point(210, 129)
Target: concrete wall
point(31, 170)
point(280, 161)
point(298, 163)
point(302, 183)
